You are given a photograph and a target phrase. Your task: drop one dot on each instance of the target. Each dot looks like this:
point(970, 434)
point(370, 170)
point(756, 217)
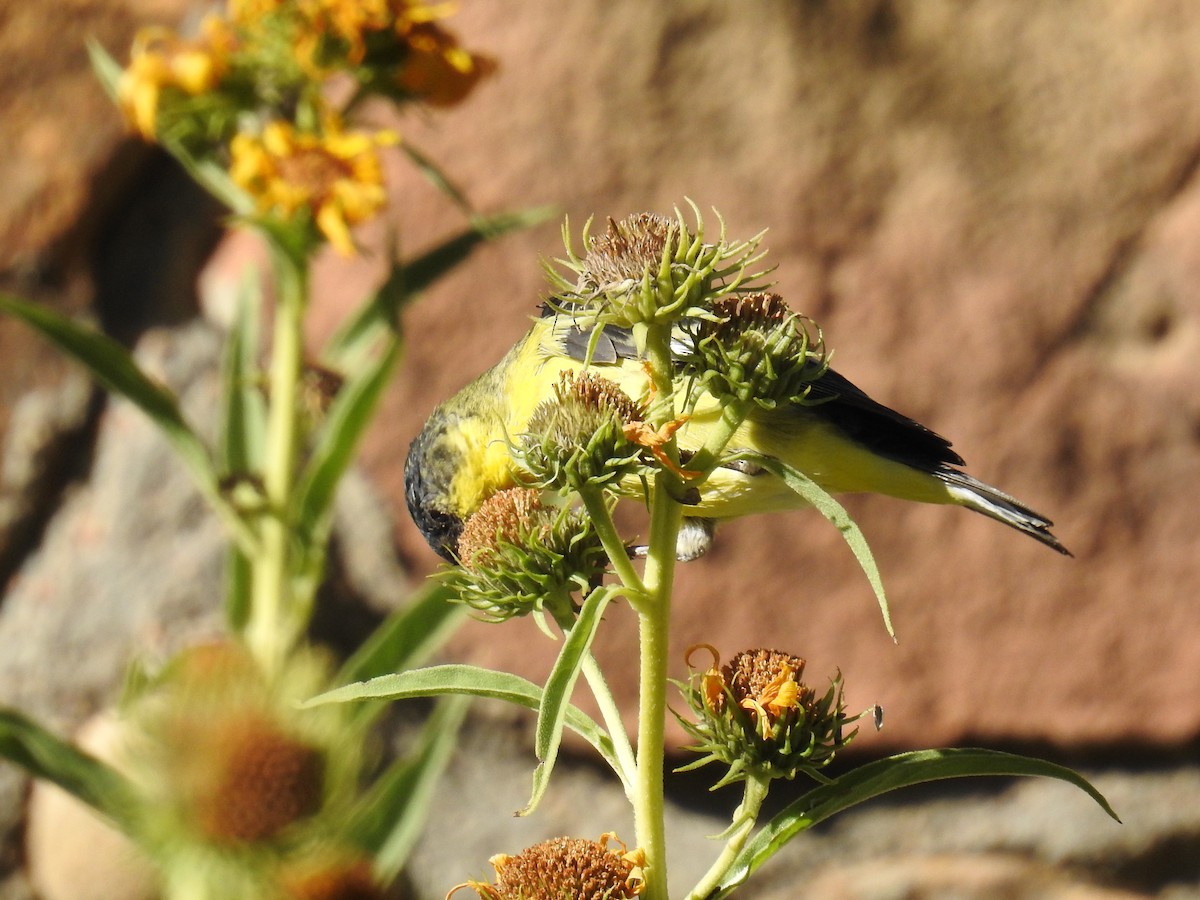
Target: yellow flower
point(334, 176)
point(161, 60)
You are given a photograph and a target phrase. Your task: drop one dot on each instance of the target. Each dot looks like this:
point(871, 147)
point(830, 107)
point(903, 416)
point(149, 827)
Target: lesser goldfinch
point(840, 438)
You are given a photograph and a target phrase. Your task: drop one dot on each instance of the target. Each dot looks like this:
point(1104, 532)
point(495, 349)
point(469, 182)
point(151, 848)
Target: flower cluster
point(755, 715)
point(250, 92)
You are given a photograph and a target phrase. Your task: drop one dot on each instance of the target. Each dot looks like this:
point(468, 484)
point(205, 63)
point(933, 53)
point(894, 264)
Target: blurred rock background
point(992, 209)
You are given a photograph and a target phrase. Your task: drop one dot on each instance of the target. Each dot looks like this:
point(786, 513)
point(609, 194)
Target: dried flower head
point(224, 758)
point(753, 347)
point(647, 268)
point(573, 868)
point(579, 435)
point(519, 554)
point(755, 715)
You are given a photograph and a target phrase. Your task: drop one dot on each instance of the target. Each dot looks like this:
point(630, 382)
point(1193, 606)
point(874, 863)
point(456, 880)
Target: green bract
point(649, 269)
point(519, 556)
point(577, 438)
point(754, 348)
point(756, 716)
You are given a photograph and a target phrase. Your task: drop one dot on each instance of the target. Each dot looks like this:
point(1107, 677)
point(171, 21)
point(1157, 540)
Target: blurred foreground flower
point(161, 61)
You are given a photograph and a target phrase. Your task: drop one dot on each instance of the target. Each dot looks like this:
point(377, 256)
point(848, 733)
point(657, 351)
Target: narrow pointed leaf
point(836, 514)
point(391, 815)
point(556, 697)
point(345, 423)
point(244, 416)
point(114, 367)
point(45, 756)
point(406, 639)
point(460, 679)
point(881, 777)
point(437, 177)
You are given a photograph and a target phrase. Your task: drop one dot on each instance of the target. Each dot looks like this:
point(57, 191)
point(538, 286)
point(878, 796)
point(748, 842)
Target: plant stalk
point(744, 819)
point(654, 619)
point(274, 626)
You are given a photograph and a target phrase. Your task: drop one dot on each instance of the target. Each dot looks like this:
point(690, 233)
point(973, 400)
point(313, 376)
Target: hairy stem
point(744, 819)
point(274, 624)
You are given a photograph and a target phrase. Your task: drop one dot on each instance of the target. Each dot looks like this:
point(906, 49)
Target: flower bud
point(578, 436)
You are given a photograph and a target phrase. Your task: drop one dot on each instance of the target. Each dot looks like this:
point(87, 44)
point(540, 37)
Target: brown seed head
point(569, 867)
point(502, 518)
point(628, 250)
point(256, 780)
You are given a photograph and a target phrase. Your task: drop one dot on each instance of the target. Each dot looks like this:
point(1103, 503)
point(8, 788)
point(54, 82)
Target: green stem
point(275, 624)
point(598, 512)
point(653, 631)
point(733, 414)
point(611, 714)
point(744, 820)
point(654, 619)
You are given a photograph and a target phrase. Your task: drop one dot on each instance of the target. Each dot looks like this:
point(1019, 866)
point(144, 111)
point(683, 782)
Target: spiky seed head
point(754, 347)
point(519, 554)
point(755, 715)
point(576, 437)
point(563, 867)
point(647, 268)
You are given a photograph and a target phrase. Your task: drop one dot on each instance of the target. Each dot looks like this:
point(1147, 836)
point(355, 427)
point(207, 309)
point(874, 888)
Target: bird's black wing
point(836, 400)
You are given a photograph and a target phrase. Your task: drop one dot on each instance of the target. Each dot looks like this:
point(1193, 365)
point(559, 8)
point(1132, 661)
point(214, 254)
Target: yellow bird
point(845, 442)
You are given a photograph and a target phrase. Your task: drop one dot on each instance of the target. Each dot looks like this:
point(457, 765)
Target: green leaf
point(826, 505)
point(45, 756)
point(114, 367)
point(108, 70)
point(437, 177)
point(460, 679)
point(244, 417)
point(881, 777)
point(406, 639)
point(556, 698)
point(333, 451)
point(239, 588)
point(390, 816)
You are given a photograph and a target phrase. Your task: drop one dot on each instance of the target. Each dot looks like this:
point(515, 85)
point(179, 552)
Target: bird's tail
point(995, 504)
